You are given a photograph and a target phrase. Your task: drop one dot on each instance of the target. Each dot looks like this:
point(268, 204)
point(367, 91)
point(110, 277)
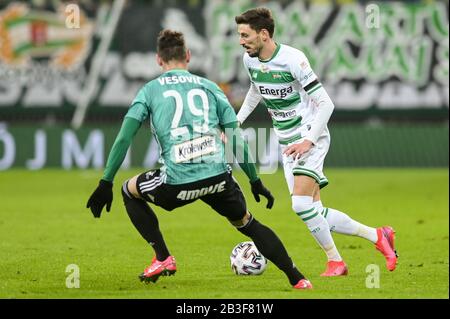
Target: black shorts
point(221, 192)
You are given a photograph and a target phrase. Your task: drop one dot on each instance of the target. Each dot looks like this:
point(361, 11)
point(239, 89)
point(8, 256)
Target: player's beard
point(254, 54)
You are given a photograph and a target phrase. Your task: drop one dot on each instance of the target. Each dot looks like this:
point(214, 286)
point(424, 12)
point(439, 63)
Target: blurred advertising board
point(374, 58)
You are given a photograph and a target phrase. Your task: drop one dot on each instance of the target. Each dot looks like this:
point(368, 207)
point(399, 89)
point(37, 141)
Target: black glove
point(103, 195)
point(259, 189)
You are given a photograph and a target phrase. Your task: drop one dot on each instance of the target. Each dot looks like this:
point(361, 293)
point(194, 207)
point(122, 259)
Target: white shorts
point(309, 164)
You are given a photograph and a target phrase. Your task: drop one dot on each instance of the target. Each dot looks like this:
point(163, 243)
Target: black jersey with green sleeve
point(186, 113)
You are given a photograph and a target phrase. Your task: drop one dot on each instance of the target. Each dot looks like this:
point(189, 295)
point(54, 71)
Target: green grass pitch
point(44, 227)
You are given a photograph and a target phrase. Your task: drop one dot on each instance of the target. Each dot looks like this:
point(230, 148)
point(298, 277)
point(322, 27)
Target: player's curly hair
point(171, 46)
point(257, 19)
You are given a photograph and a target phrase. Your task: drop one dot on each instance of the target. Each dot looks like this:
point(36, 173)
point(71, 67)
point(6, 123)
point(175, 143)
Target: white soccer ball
point(247, 260)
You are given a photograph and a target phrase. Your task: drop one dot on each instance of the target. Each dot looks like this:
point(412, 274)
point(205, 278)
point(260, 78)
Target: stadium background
point(389, 82)
point(386, 73)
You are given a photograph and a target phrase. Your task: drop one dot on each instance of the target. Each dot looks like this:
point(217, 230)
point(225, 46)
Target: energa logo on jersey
point(282, 93)
point(26, 34)
point(195, 148)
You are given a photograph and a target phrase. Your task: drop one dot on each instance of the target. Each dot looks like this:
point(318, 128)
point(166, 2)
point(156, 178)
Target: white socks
point(341, 223)
point(317, 224)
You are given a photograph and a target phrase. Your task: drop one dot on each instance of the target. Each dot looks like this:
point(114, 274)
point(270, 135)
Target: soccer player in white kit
point(300, 108)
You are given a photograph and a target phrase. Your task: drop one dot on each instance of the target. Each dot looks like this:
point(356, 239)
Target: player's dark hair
point(170, 46)
point(257, 19)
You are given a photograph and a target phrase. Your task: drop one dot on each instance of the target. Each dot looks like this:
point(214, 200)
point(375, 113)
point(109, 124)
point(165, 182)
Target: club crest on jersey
point(264, 68)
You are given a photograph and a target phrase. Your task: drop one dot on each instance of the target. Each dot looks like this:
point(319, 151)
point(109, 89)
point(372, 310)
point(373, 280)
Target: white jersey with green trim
point(281, 81)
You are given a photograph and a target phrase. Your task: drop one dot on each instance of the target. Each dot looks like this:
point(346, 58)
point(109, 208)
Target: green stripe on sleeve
point(314, 89)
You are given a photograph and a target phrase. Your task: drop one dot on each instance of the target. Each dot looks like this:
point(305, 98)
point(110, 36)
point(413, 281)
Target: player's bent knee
point(129, 189)
point(241, 222)
point(301, 203)
point(131, 186)
point(125, 192)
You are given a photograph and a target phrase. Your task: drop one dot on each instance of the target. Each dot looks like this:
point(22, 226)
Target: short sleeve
point(302, 71)
point(139, 109)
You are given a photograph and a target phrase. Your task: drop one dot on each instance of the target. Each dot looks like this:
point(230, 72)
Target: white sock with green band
point(341, 223)
point(317, 225)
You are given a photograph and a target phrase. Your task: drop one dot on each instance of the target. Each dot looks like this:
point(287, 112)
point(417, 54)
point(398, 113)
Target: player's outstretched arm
point(246, 162)
point(103, 194)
